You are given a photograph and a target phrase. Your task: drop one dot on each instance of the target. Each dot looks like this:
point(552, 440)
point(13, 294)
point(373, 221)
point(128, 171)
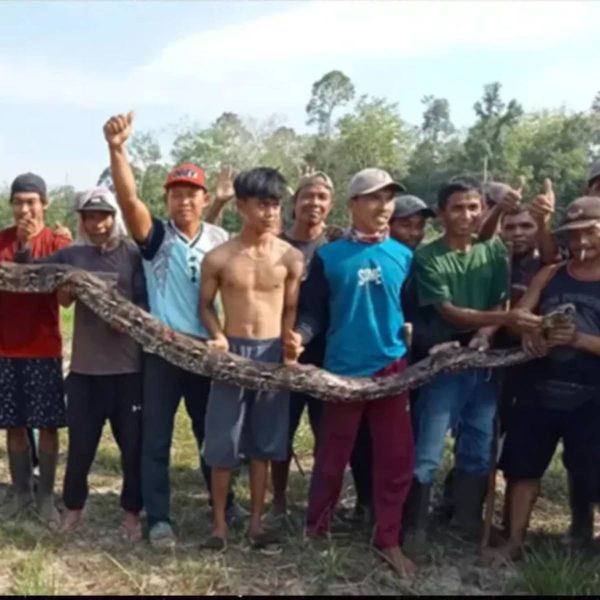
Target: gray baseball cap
point(368, 181)
point(97, 198)
point(407, 206)
point(594, 171)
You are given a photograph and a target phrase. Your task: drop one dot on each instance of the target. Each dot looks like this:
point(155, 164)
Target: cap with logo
point(98, 198)
point(187, 173)
point(581, 213)
point(407, 206)
point(368, 181)
point(28, 182)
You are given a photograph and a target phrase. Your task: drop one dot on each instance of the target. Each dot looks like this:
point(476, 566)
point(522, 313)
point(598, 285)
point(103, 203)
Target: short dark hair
point(517, 210)
point(263, 182)
point(463, 184)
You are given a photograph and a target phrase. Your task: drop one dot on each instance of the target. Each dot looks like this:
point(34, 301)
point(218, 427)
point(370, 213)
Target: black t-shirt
point(566, 363)
point(314, 352)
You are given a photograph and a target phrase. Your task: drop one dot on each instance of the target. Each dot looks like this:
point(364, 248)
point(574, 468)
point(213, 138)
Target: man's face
point(462, 213)
point(261, 215)
point(28, 205)
point(185, 204)
point(584, 244)
point(312, 204)
point(371, 213)
point(409, 230)
point(97, 225)
point(519, 229)
point(594, 187)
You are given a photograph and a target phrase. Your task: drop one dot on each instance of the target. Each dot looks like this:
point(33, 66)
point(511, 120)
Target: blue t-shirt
point(353, 292)
point(172, 265)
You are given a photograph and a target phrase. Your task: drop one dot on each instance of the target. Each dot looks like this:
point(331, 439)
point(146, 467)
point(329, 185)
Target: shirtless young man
point(258, 276)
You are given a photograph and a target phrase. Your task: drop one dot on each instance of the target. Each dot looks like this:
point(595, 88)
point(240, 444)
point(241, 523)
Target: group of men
point(295, 295)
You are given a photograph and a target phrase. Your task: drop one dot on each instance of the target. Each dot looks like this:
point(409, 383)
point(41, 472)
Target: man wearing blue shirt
point(172, 253)
point(353, 294)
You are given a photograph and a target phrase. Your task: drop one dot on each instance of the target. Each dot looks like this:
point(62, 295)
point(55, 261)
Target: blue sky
point(66, 66)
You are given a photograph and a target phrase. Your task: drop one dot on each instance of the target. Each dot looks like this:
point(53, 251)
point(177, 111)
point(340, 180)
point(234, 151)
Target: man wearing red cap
point(172, 253)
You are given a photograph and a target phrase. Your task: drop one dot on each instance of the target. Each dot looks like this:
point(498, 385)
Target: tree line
point(351, 131)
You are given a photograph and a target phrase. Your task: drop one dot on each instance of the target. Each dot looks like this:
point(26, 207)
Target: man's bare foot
point(131, 527)
point(498, 536)
point(399, 561)
point(507, 552)
point(70, 521)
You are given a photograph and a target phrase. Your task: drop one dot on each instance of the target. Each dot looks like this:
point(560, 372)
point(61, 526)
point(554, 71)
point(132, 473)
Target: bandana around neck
point(368, 238)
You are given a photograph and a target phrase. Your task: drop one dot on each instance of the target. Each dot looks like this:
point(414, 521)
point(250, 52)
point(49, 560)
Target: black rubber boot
point(469, 492)
point(445, 509)
point(416, 518)
point(581, 531)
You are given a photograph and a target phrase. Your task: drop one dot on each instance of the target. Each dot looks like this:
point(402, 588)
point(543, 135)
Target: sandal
point(262, 540)
point(215, 543)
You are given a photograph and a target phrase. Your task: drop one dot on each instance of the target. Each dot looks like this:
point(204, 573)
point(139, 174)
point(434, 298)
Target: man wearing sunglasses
point(172, 253)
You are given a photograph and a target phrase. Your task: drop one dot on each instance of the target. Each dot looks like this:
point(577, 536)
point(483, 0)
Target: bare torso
point(252, 284)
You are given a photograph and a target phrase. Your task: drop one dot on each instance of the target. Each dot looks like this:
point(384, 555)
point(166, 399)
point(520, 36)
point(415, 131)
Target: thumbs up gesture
point(118, 129)
point(511, 197)
point(543, 205)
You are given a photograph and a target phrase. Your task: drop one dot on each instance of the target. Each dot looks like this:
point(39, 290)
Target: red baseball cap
point(186, 173)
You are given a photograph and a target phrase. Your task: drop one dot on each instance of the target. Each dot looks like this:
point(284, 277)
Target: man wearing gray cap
point(352, 293)
point(558, 400)
point(407, 226)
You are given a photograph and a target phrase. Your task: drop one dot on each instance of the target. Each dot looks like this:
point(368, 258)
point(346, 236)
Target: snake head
point(563, 315)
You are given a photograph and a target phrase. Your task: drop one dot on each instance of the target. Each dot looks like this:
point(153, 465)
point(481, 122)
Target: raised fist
point(118, 129)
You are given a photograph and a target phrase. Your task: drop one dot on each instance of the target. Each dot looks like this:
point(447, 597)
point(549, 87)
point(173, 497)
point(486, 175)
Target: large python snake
point(194, 355)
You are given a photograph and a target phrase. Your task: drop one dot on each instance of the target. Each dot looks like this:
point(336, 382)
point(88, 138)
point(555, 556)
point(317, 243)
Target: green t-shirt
point(474, 279)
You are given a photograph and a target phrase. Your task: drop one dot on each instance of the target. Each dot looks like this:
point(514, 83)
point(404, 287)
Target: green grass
point(94, 561)
point(551, 570)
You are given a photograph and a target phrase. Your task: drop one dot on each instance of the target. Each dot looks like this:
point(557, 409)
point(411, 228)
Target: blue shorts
point(247, 422)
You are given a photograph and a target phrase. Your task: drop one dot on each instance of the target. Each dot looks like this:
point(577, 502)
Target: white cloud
point(249, 63)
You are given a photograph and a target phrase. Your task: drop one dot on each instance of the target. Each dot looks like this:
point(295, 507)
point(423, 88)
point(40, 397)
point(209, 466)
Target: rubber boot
point(416, 518)
point(445, 509)
point(45, 491)
point(21, 472)
point(469, 492)
point(581, 531)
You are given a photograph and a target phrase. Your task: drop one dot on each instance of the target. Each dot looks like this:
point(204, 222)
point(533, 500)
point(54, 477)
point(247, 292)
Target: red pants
point(393, 460)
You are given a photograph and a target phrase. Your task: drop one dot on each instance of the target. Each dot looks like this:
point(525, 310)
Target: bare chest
point(244, 274)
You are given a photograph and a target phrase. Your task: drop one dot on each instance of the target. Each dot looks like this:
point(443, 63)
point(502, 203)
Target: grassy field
point(94, 560)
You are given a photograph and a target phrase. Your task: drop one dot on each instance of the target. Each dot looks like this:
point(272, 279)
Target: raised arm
point(136, 214)
point(209, 286)
point(542, 208)
point(224, 193)
point(507, 199)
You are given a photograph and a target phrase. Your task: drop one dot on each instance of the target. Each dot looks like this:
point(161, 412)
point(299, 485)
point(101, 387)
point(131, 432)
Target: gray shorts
point(246, 422)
